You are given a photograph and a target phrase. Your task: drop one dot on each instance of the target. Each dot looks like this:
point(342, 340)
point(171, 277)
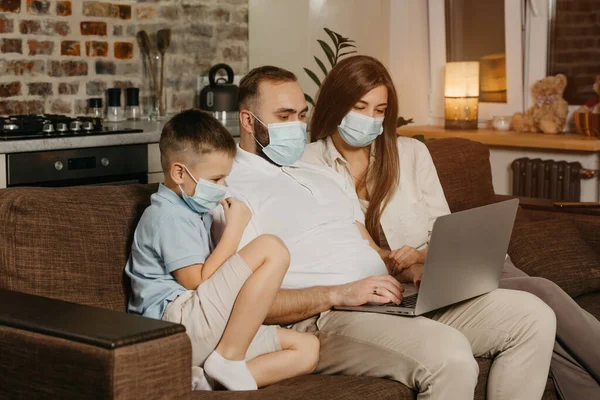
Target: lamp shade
point(462, 79)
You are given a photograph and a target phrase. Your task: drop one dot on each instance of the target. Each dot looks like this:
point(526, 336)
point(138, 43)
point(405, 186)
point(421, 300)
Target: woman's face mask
point(286, 141)
point(360, 130)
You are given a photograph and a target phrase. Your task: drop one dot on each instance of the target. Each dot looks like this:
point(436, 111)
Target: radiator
point(548, 179)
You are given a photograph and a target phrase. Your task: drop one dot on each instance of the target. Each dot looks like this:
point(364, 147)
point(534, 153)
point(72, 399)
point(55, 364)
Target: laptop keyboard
point(407, 302)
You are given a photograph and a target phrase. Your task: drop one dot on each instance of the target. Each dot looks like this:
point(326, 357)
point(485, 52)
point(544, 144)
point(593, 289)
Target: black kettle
point(221, 94)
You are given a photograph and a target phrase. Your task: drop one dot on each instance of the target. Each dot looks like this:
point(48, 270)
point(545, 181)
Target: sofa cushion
point(465, 172)
point(70, 243)
point(339, 387)
point(554, 249)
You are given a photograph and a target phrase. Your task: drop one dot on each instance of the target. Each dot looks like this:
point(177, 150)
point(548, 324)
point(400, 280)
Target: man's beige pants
point(435, 354)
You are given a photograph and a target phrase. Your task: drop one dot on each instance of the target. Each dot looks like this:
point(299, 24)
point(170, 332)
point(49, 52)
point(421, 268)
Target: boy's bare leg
point(299, 356)
point(269, 260)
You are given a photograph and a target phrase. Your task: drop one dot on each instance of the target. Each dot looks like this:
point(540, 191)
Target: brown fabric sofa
point(64, 332)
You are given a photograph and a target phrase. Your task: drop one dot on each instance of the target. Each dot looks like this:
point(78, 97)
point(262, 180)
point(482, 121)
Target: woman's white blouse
point(418, 200)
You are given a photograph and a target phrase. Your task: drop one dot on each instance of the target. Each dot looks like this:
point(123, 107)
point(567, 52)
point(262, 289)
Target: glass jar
point(95, 108)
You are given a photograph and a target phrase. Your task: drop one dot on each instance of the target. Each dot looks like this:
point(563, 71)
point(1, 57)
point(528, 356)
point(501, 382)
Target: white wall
point(285, 32)
point(408, 61)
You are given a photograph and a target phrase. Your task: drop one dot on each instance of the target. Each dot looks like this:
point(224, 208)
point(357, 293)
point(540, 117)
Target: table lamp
point(461, 91)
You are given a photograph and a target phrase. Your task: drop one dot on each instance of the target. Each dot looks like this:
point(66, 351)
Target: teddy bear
point(550, 110)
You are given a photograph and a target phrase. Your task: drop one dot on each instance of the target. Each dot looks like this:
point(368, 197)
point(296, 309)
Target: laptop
point(466, 255)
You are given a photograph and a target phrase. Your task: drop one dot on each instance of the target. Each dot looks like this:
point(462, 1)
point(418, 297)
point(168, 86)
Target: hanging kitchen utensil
point(163, 41)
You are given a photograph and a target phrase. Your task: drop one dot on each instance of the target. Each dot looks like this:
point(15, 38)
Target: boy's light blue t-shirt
point(168, 237)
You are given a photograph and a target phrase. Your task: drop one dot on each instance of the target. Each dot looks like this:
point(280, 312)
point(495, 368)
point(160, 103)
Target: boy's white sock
point(199, 380)
point(234, 375)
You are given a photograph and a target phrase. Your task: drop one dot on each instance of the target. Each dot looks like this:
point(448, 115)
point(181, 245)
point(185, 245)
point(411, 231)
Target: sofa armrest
point(547, 205)
point(55, 349)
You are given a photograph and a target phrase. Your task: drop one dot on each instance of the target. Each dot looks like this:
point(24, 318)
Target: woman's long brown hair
point(345, 85)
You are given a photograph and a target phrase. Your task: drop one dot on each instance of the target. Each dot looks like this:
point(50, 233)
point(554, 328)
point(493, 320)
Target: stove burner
point(46, 126)
point(61, 127)
point(75, 125)
point(88, 125)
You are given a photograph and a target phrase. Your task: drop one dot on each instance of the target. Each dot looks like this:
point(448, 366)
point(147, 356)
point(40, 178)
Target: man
point(334, 263)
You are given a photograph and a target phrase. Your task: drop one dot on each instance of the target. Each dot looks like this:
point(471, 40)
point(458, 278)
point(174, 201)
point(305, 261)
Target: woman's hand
point(406, 256)
point(416, 272)
point(237, 213)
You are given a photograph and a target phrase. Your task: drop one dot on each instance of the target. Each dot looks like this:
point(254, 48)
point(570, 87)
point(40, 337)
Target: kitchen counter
point(569, 142)
point(150, 134)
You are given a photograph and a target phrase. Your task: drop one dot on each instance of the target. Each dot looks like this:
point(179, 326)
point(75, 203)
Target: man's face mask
point(286, 141)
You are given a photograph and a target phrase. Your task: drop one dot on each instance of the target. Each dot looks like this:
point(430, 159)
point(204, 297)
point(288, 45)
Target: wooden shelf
point(492, 137)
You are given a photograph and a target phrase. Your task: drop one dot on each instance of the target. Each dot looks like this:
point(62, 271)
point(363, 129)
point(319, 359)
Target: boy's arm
point(192, 276)
point(234, 217)
point(183, 248)
point(228, 245)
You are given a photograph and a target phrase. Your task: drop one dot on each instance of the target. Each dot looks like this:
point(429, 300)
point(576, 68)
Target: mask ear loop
point(191, 176)
point(255, 139)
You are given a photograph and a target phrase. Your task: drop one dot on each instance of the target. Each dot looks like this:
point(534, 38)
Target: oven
point(113, 165)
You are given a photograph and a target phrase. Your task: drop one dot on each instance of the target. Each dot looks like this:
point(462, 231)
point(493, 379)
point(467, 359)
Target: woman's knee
point(543, 288)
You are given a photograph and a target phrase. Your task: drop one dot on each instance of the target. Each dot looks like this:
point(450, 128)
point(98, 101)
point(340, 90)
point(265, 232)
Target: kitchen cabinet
point(157, 177)
point(154, 164)
point(155, 174)
point(2, 171)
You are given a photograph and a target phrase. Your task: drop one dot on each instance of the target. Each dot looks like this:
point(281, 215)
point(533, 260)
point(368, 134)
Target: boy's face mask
point(206, 195)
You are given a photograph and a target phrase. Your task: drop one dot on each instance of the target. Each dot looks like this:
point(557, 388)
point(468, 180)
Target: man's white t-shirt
point(313, 210)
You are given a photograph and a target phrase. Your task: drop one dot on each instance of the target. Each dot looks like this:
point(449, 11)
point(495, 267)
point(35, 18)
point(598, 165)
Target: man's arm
point(295, 305)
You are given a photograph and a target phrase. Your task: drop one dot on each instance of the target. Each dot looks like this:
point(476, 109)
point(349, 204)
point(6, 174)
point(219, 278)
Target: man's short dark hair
point(250, 83)
point(191, 133)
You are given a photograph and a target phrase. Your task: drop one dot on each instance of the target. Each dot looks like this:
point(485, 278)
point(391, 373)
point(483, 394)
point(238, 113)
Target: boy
point(222, 297)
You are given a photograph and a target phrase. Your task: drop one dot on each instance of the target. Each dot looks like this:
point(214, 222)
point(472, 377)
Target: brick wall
point(575, 48)
point(54, 54)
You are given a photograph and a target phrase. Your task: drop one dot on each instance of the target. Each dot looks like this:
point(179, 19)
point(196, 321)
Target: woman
point(354, 126)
